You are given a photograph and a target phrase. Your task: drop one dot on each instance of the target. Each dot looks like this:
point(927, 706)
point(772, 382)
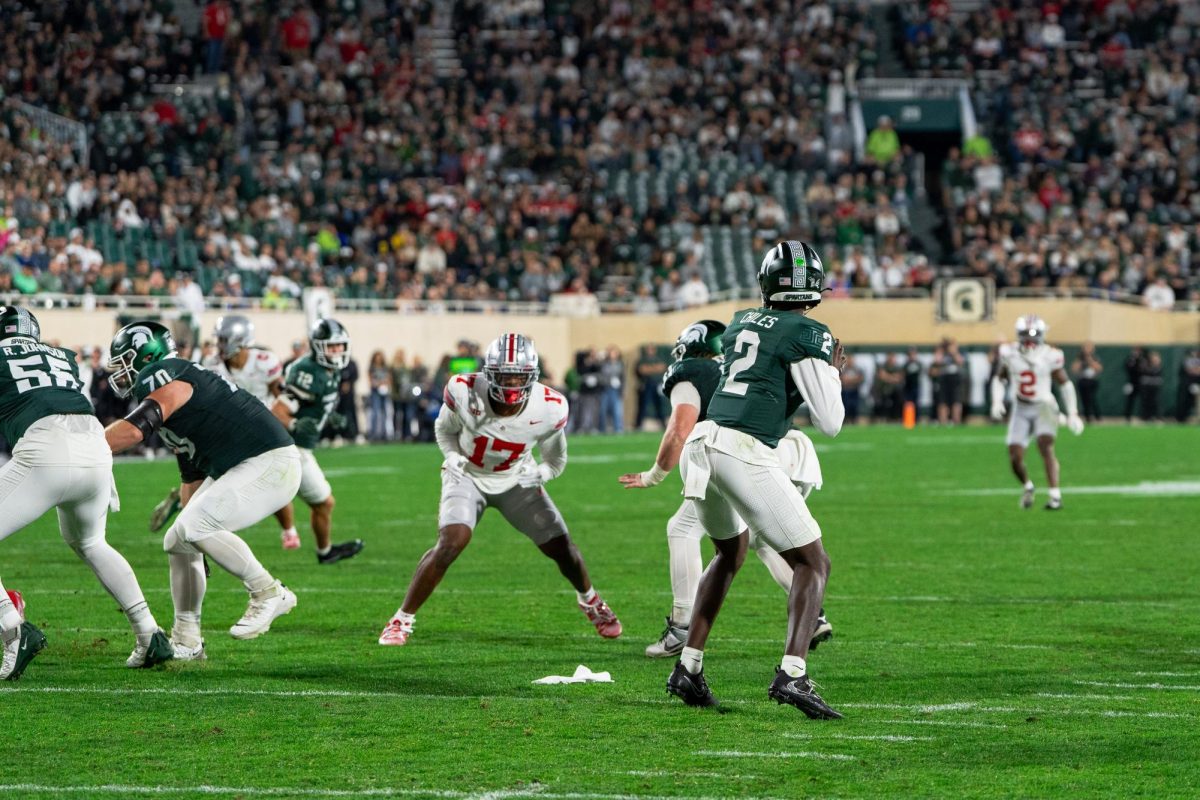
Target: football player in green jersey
point(237, 465)
point(689, 384)
point(776, 357)
point(310, 393)
point(60, 460)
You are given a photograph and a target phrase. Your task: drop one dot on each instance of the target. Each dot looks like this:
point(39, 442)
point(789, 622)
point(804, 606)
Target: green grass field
point(979, 650)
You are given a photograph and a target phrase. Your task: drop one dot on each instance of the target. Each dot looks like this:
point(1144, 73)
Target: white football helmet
point(511, 368)
point(234, 333)
point(1031, 331)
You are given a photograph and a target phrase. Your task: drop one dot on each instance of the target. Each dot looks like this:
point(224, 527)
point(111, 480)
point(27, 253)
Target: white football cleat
point(396, 633)
point(1027, 498)
point(189, 652)
point(265, 607)
point(290, 540)
point(670, 643)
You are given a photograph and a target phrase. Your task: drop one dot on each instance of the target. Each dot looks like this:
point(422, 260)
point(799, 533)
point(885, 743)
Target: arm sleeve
point(1070, 405)
point(997, 386)
point(685, 393)
point(554, 453)
point(188, 472)
point(446, 430)
point(821, 387)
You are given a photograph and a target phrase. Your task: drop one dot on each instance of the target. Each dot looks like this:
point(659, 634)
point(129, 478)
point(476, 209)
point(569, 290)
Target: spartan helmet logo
point(140, 335)
point(693, 334)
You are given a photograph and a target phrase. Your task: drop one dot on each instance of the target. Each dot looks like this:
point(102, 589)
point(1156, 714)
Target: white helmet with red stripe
point(511, 368)
point(1031, 331)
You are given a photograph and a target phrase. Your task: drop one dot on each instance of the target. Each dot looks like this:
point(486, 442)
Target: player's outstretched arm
point(685, 411)
point(997, 393)
point(820, 385)
point(1070, 403)
point(148, 417)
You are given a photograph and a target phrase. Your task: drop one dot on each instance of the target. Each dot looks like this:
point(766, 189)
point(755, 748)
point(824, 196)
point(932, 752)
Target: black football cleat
point(691, 689)
point(823, 633)
point(340, 552)
point(20, 651)
point(801, 693)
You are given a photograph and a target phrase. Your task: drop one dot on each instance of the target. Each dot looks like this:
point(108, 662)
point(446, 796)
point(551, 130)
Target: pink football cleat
point(291, 541)
point(606, 622)
point(396, 633)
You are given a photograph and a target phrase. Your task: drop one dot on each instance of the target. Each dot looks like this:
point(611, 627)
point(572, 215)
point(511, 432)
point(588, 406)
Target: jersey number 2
point(746, 342)
point(1025, 387)
point(512, 448)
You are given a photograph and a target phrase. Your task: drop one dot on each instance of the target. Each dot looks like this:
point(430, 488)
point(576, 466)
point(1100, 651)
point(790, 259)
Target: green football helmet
point(791, 275)
point(698, 340)
point(133, 348)
point(324, 337)
point(18, 322)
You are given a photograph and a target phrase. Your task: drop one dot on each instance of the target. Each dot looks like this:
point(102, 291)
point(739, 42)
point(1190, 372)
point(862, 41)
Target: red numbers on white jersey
point(1027, 385)
point(514, 449)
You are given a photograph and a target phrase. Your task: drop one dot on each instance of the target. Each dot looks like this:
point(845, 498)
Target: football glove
point(997, 411)
point(305, 427)
point(336, 421)
point(455, 465)
point(1075, 424)
point(532, 477)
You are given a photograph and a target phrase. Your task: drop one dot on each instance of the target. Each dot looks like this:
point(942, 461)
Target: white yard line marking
point(942, 723)
point(976, 708)
point(662, 773)
point(284, 791)
point(1084, 696)
point(219, 692)
point(1167, 674)
point(777, 754)
point(854, 738)
point(1141, 489)
point(1156, 686)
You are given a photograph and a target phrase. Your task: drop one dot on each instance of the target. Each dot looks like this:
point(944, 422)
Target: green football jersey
point(315, 388)
point(37, 380)
point(703, 373)
point(757, 394)
point(220, 426)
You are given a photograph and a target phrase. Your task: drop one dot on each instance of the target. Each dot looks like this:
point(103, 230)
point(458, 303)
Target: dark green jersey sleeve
point(159, 374)
point(702, 373)
point(805, 338)
point(315, 390)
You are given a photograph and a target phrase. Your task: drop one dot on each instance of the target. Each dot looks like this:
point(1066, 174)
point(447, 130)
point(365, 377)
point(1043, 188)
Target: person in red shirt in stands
point(216, 24)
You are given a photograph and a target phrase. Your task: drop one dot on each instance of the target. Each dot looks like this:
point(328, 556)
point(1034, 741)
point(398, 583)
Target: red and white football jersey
point(1030, 371)
point(498, 448)
point(262, 368)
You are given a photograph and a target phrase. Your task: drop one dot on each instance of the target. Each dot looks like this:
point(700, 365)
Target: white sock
point(1028, 485)
point(793, 666)
point(686, 565)
point(692, 660)
point(187, 591)
point(780, 570)
point(1056, 493)
point(405, 617)
point(290, 532)
point(322, 551)
point(142, 622)
point(10, 620)
point(587, 597)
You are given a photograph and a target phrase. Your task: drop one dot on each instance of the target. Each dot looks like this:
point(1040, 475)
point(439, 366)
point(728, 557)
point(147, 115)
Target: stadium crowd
point(320, 150)
point(1086, 175)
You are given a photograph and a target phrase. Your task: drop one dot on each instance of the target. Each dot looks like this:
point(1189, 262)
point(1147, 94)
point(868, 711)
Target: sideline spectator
point(612, 406)
point(380, 379)
point(853, 378)
point(650, 368)
point(1086, 368)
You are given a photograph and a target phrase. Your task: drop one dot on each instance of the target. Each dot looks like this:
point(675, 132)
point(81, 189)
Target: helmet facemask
point(511, 368)
point(122, 373)
point(510, 387)
point(1031, 332)
point(332, 353)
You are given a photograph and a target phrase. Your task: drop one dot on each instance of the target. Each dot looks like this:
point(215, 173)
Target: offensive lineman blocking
point(60, 460)
point(237, 465)
point(488, 427)
point(775, 358)
point(1037, 366)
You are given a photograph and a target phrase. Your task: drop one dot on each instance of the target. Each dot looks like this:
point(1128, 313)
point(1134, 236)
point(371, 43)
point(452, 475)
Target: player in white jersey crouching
point(1033, 367)
point(487, 429)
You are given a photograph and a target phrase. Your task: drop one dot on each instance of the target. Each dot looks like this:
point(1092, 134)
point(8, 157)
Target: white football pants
point(63, 462)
